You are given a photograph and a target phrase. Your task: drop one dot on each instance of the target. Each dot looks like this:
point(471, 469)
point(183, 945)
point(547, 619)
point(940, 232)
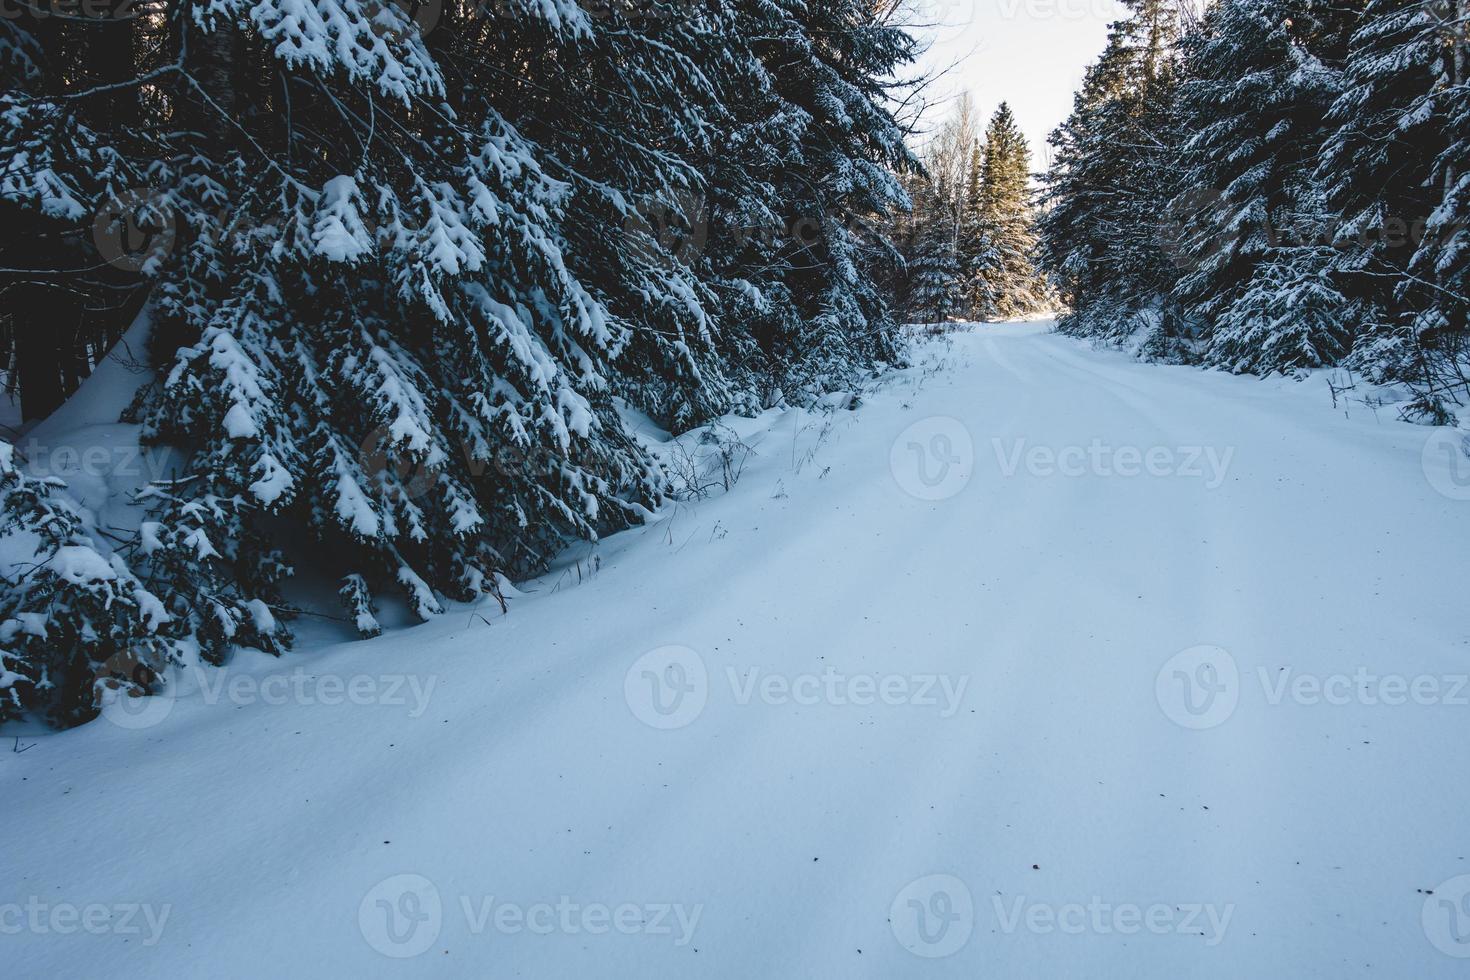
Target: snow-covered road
point(1042, 663)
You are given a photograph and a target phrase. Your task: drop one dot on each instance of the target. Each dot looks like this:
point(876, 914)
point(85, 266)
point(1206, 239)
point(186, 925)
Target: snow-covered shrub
point(73, 620)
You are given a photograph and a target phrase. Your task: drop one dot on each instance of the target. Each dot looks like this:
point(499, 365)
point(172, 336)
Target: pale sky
point(1030, 53)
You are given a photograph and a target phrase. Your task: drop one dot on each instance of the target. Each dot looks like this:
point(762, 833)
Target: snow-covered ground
point(936, 689)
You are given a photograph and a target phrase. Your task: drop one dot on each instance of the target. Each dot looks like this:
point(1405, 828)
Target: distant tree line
point(969, 241)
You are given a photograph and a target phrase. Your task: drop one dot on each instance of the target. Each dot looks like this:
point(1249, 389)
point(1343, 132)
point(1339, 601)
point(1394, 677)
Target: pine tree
point(981, 266)
point(831, 152)
point(411, 274)
point(1259, 77)
point(1376, 171)
point(76, 625)
point(934, 268)
point(1104, 241)
point(1438, 287)
point(58, 160)
point(1004, 200)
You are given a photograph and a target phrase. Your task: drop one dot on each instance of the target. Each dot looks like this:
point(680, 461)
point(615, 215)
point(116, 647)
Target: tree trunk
point(110, 51)
point(211, 62)
point(1460, 54)
point(39, 347)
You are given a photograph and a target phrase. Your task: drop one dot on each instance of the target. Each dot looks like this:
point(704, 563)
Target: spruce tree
point(1259, 77)
point(934, 268)
point(1376, 171)
point(1006, 221)
point(1104, 237)
point(1438, 287)
point(832, 153)
point(414, 265)
point(980, 259)
point(76, 625)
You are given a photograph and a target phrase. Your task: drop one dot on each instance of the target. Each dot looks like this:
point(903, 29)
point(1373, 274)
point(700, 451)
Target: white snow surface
point(550, 823)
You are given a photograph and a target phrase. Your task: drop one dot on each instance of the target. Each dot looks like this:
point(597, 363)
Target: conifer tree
point(1437, 290)
point(415, 256)
point(834, 153)
point(76, 625)
point(1311, 157)
point(1004, 199)
point(980, 259)
point(1375, 170)
point(935, 293)
point(1259, 77)
point(1104, 239)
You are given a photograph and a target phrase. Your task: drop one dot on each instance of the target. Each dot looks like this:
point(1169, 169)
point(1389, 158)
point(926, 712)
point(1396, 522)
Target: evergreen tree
point(937, 251)
point(1259, 77)
point(408, 265)
point(934, 291)
point(838, 153)
point(75, 624)
point(980, 259)
point(972, 239)
point(1376, 172)
point(1438, 287)
point(1104, 239)
point(1004, 200)
point(1313, 161)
